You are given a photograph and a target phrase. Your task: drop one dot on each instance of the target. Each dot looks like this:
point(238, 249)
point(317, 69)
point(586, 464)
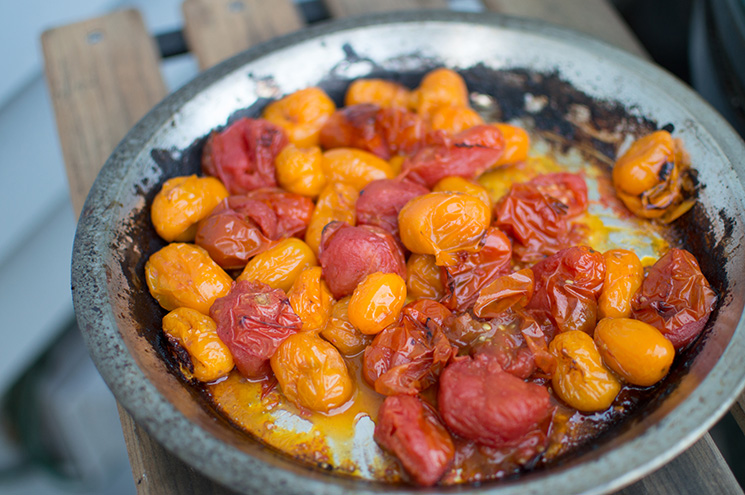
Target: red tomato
point(384, 132)
point(407, 357)
point(475, 270)
point(505, 292)
point(242, 155)
point(252, 320)
point(567, 287)
point(675, 298)
point(411, 430)
point(467, 155)
point(381, 201)
point(349, 254)
point(569, 189)
point(293, 210)
point(481, 402)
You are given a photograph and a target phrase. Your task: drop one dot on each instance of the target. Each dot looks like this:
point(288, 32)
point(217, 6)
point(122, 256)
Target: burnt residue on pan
point(552, 106)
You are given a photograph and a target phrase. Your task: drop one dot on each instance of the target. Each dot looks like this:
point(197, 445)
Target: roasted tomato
point(440, 87)
point(349, 254)
point(252, 320)
point(513, 290)
point(381, 201)
point(624, 275)
point(473, 271)
point(459, 184)
point(409, 429)
point(301, 114)
point(280, 265)
point(407, 358)
point(376, 302)
point(193, 337)
point(311, 299)
point(442, 224)
point(340, 332)
point(182, 202)
point(184, 275)
point(354, 167)
point(336, 203)
point(536, 214)
point(481, 402)
point(453, 119)
point(293, 210)
point(384, 132)
point(466, 154)
point(650, 178)
point(567, 287)
point(311, 373)
point(379, 92)
point(300, 170)
point(516, 144)
point(242, 156)
point(424, 277)
point(675, 298)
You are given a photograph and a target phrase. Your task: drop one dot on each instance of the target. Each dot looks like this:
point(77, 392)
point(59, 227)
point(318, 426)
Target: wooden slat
point(103, 76)
point(345, 8)
point(218, 29)
point(738, 412)
point(595, 17)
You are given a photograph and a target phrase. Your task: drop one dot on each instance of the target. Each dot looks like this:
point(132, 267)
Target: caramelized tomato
point(340, 331)
point(336, 203)
point(459, 184)
point(424, 279)
point(376, 302)
point(311, 299)
point(506, 292)
point(624, 274)
point(301, 114)
point(381, 201)
point(280, 265)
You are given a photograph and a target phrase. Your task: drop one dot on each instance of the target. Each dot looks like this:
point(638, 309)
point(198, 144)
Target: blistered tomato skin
point(196, 333)
point(440, 87)
point(516, 144)
point(182, 202)
point(675, 298)
point(636, 351)
point(376, 302)
point(242, 156)
point(253, 320)
point(443, 223)
point(381, 201)
point(581, 379)
point(311, 299)
point(481, 402)
point(336, 203)
point(311, 373)
point(411, 430)
point(509, 291)
point(459, 184)
point(300, 170)
point(379, 92)
point(280, 265)
point(354, 167)
point(301, 114)
point(184, 275)
point(340, 331)
point(349, 254)
point(624, 274)
point(424, 277)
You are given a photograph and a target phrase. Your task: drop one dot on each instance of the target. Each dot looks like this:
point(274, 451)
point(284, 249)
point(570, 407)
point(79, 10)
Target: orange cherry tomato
point(280, 265)
point(453, 119)
point(300, 170)
point(311, 373)
point(459, 184)
point(377, 302)
point(378, 91)
point(335, 203)
point(184, 275)
point(440, 87)
point(354, 167)
point(301, 114)
point(516, 144)
point(637, 351)
point(424, 277)
point(196, 333)
point(624, 274)
point(311, 299)
point(182, 202)
point(442, 223)
point(340, 331)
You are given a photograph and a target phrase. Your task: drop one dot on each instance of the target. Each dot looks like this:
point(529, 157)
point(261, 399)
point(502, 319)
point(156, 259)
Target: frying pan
point(587, 93)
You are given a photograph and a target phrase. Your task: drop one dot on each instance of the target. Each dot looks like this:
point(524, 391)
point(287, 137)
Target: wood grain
point(346, 8)
point(103, 76)
point(218, 29)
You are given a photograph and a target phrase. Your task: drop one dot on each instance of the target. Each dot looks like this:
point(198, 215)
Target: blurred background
point(59, 426)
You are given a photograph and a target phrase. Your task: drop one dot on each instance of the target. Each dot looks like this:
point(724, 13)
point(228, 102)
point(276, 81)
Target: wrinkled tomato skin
point(381, 201)
point(505, 292)
point(348, 254)
point(506, 344)
point(475, 270)
point(481, 402)
point(467, 155)
point(253, 320)
point(242, 156)
point(411, 430)
point(675, 298)
point(567, 287)
point(570, 189)
point(407, 357)
point(293, 210)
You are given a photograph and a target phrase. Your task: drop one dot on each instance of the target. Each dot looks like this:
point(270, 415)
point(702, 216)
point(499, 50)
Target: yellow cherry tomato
point(581, 379)
point(301, 114)
point(197, 333)
point(300, 171)
point(185, 275)
point(182, 202)
point(311, 373)
point(637, 351)
point(423, 278)
point(335, 203)
point(340, 331)
point(459, 184)
point(624, 275)
point(354, 167)
point(380, 92)
point(442, 223)
point(280, 265)
point(311, 299)
point(376, 302)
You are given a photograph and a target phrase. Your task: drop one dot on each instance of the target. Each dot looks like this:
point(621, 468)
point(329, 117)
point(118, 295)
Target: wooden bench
point(104, 75)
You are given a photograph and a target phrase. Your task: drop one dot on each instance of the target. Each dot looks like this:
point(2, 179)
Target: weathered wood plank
point(595, 17)
point(103, 76)
point(738, 412)
point(218, 29)
point(346, 8)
